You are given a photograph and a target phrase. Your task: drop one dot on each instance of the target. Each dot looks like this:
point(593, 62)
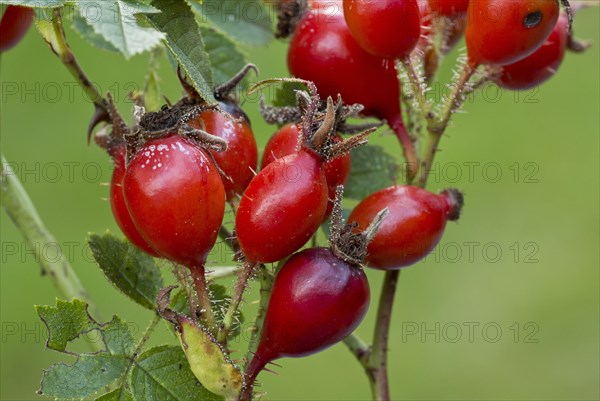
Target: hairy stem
point(437, 128)
point(199, 277)
point(417, 86)
point(453, 102)
point(266, 283)
point(22, 212)
point(236, 298)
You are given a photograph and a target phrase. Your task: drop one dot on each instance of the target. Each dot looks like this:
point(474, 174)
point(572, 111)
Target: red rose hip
point(117, 203)
point(540, 66)
point(317, 300)
point(501, 32)
point(414, 226)
point(449, 8)
point(282, 208)
point(287, 140)
point(384, 28)
point(239, 161)
point(323, 51)
point(176, 199)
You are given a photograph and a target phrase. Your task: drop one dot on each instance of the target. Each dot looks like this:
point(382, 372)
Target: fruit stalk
point(377, 363)
point(22, 212)
point(417, 87)
point(408, 148)
point(359, 348)
point(236, 298)
point(266, 283)
point(199, 277)
point(437, 129)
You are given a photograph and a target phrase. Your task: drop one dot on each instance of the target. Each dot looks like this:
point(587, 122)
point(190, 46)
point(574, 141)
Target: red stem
point(408, 147)
point(256, 365)
point(199, 277)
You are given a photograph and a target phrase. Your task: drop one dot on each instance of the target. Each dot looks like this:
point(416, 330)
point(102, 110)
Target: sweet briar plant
point(179, 166)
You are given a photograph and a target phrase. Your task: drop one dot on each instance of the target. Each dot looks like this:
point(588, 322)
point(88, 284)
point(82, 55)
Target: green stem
point(437, 128)
point(418, 87)
point(266, 283)
point(236, 298)
point(454, 101)
point(20, 209)
point(359, 349)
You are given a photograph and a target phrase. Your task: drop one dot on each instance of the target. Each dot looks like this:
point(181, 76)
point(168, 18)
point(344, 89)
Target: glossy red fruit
point(117, 203)
point(384, 28)
point(317, 300)
point(283, 206)
point(15, 22)
point(415, 223)
point(176, 199)
point(286, 141)
point(540, 66)
point(449, 8)
point(323, 51)
point(501, 32)
point(240, 159)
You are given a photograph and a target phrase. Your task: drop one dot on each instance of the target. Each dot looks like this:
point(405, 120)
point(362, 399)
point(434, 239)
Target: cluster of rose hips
point(337, 41)
point(178, 168)
point(175, 171)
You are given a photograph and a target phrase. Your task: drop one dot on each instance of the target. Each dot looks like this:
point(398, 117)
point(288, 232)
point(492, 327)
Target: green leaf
point(163, 374)
point(36, 3)
point(115, 21)
point(119, 394)
point(372, 169)
point(84, 30)
point(246, 21)
point(130, 270)
point(66, 322)
point(225, 57)
point(185, 42)
point(88, 375)
point(91, 372)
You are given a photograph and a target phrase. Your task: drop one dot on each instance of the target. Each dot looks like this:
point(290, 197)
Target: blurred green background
point(507, 307)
